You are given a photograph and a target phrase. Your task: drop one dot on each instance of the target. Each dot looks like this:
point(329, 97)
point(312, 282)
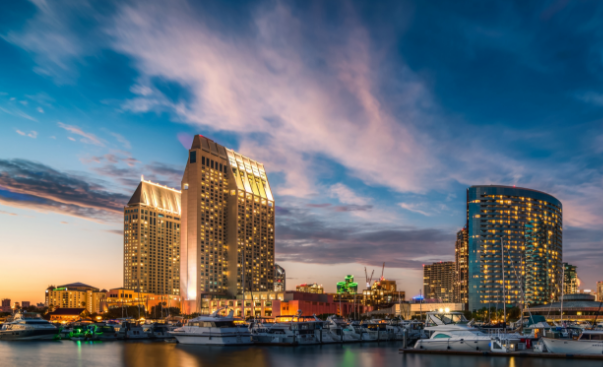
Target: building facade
point(348, 286)
point(382, 293)
point(6, 307)
point(227, 243)
point(461, 261)
point(570, 279)
point(599, 291)
point(439, 281)
point(122, 297)
point(280, 278)
point(75, 295)
point(313, 288)
point(518, 230)
point(152, 240)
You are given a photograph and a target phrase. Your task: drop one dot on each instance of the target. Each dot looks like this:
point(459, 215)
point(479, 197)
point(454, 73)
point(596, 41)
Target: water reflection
point(148, 354)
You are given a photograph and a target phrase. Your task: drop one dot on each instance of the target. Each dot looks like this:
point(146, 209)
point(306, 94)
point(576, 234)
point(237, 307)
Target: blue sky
point(372, 119)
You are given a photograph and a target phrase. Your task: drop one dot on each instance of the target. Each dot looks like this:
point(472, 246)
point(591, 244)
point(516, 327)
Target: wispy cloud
point(8, 213)
point(87, 138)
point(31, 134)
point(120, 138)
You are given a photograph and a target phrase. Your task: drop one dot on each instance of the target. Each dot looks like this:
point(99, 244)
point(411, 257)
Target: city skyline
point(370, 125)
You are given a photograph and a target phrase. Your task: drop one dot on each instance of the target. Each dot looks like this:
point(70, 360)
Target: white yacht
point(590, 342)
point(213, 330)
point(289, 330)
point(28, 326)
point(366, 334)
point(341, 331)
point(414, 330)
point(452, 331)
point(131, 331)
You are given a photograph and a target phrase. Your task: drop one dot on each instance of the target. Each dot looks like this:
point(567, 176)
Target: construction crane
point(382, 270)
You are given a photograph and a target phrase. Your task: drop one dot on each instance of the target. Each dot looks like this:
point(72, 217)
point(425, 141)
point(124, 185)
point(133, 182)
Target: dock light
point(447, 309)
point(441, 310)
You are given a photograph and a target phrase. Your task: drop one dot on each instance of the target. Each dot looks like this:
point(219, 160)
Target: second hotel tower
point(227, 237)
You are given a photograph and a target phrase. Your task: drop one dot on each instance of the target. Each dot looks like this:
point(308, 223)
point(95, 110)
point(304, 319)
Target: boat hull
point(456, 345)
point(29, 335)
point(280, 339)
point(200, 339)
point(575, 347)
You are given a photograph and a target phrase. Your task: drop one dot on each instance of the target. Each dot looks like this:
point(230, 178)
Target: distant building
point(25, 304)
point(152, 240)
point(65, 315)
point(6, 306)
point(514, 234)
point(382, 293)
point(310, 288)
point(121, 297)
point(570, 279)
point(280, 278)
point(461, 261)
point(438, 281)
point(575, 307)
point(348, 286)
point(228, 223)
point(75, 295)
point(600, 291)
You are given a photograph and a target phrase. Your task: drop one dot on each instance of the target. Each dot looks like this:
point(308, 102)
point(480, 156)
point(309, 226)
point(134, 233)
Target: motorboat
point(340, 330)
point(213, 330)
point(99, 331)
point(131, 331)
point(28, 326)
point(288, 330)
point(384, 329)
point(452, 331)
point(366, 334)
point(413, 330)
point(159, 331)
point(589, 342)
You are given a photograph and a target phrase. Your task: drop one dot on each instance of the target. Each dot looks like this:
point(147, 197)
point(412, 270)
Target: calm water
point(146, 354)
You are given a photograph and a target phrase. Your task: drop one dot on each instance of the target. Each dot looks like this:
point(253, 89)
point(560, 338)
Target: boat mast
point(502, 261)
point(562, 289)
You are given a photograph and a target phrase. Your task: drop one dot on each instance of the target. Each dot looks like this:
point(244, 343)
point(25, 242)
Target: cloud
point(40, 110)
point(346, 196)
point(18, 113)
point(118, 232)
point(87, 138)
point(31, 134)
point(415, 208)
point(267, 82)
point(307, 238)
point(8, 213)
point(32, 185)
point(120, 138)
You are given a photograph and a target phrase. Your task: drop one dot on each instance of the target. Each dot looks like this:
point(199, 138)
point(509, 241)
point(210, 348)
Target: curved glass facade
point(526, 226)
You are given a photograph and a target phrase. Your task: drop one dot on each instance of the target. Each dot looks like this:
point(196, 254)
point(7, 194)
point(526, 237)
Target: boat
point(452, 331)
point(99, 331)
point(28, 326)
point(159, 331)
point(288, 330)
point(213, 330)
point(131, 331)
point(340, 330)
point(366, 334)
point(589, 342)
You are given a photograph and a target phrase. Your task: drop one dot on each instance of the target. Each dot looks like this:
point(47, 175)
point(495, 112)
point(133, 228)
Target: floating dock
point(519, 354)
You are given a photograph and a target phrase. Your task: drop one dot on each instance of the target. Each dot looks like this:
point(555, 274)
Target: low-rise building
point(25, 304)
point(66, 315)
point(421, 308)
point(75, 295)
point(121, 297)
point(280, 278)
point(310, 288)
point(6, 307)
point(578, 307)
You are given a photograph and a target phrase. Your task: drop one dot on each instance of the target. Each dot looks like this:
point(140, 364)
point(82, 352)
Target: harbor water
point(147, 354)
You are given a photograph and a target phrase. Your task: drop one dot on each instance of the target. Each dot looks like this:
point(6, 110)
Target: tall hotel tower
point(152, 240)
point(227, 243)
point(515, 239)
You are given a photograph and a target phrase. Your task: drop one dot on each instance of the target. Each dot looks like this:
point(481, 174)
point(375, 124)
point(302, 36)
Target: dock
point(519, 354)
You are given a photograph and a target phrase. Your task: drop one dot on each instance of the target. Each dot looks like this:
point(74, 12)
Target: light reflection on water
point(146, 354)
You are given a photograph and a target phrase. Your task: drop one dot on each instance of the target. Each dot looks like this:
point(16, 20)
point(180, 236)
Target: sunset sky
point(371, 118)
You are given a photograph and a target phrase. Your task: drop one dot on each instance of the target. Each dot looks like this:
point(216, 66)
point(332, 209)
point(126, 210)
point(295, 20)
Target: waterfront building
point(6, 305)
point(570, 279)
point(122, 297)
point(313, 288)
point(227, 243)
point(152, 240)
point(461, 261)
point(75, 295)
point(600, 291)
point(576, 307)
point(529, 224)
point(382, 293)
point(288, 303)
point(421, 308)
point(438, 281)
point(280, 278)
point(66, 315)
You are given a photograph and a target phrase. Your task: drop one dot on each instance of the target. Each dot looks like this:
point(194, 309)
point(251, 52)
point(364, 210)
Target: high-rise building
point(280, 278)
point(600, 291)
point(570, 279)
point(227, 245)
point(6, 305)
point(522, 230)
point(152, 240)
point(461, 260)
point(438, 281)
point(347, 286)
point(25, 304)
point(382, 293)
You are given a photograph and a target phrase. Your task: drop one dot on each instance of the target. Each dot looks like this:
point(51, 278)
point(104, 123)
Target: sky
point(371, 118)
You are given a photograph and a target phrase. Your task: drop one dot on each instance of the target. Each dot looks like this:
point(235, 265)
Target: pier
point(519, 354)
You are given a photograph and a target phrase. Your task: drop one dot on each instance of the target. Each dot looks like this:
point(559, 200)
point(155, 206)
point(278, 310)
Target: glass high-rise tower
point(518, 230)
point(227, 242)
